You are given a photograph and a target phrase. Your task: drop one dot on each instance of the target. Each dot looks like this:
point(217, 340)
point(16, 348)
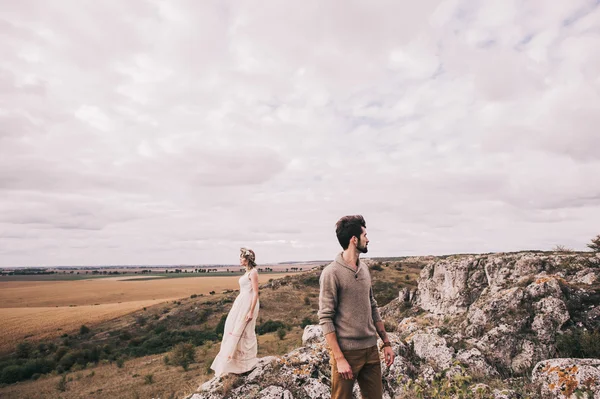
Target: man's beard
point(362, 248)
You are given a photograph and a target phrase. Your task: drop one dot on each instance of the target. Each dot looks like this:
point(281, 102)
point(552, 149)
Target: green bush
point(60, 352)
point(311, 281)
point(183, 355)
point(84, 330)
point(37, 366)
point(307, 321)
point(148, 379)
point(269, 326)
point(24, 350)
point(281, 332)
point(62, 384)
point(377, 267)
point(220, 329)
point(579, 344)
point(12, 374)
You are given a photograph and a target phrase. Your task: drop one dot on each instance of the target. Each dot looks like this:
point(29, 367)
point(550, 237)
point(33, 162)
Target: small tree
point(281, 333)
point(183, 355)
point(595, 244)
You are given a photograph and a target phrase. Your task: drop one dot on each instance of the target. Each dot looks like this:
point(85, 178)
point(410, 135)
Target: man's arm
point(327, 309)
point(342, 364)
point(380, 327)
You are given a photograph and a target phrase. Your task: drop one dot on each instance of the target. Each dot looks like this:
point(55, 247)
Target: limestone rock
point(563, 378)
point(312, 334)
point(449, 286)
point(434, 349)
point(551, 314)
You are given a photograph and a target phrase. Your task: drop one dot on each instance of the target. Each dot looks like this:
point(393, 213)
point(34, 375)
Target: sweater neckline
point(339, 259)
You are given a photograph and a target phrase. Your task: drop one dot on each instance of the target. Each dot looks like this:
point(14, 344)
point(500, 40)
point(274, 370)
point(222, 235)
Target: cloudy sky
point(174, 132)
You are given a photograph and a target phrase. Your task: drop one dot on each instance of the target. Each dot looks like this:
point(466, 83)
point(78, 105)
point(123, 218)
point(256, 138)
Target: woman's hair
point(249, 255)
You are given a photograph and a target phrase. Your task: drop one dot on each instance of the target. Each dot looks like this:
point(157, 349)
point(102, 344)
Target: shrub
point(84, 330)
point(184, 354)
point(24, 349)
point(120, 362)
point(311, 281)
point(562, 248)
point(579, 344)
point(269, 326)
point(306, 300)
point(377, 267)
point(62, 384)
point(148, 379)
point(281, 333)
point(37, 366)
point(306, 321)
point(12, 374)
point(220, 329)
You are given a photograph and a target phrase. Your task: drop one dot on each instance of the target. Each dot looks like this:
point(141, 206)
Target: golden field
point(43, 309)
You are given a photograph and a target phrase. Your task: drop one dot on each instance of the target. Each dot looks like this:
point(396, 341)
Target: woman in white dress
point(239, 346)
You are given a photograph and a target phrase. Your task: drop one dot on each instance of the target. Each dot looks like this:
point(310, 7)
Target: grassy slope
point(294, 299)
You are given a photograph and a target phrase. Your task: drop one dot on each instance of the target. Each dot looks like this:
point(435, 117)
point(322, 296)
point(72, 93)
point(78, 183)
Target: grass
point(190, 318)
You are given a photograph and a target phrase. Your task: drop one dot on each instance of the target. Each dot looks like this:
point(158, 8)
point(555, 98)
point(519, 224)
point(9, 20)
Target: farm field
point(42, 309)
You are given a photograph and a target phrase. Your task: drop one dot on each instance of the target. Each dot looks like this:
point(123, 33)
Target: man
point(349, 317)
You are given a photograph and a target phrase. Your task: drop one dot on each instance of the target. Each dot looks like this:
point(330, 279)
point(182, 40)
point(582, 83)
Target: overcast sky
point(174, 132)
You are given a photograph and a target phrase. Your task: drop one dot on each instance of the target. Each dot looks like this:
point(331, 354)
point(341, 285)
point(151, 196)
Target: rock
point(586, 276)
point(492, 306)
point(312, 334)
point(505, 394)
point(408, 325)
point(506, 271)
point(551, 314)
point(433, 348)
point(275, 392)
point(317, 390)
point(543, 286)
point(475, 361)
point(524, 360)
point(260, 367)
point(448, 287)
point(563, 378)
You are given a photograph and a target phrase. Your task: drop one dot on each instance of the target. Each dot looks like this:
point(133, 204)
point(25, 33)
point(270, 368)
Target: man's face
point(363, 242)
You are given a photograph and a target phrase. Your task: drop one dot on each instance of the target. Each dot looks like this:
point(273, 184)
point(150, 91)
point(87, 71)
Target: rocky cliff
point(481, 326)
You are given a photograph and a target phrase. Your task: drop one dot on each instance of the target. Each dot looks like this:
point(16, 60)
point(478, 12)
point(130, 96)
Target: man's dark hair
point(348, 227)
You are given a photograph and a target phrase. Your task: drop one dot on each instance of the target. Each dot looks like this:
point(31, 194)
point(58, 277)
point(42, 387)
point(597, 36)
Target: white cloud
point(174, 132)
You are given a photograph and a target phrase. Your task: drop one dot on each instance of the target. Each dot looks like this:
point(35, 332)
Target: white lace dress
point(239, 346)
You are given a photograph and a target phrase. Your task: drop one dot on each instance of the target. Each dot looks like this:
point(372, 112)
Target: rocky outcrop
point(303, 373)
point(487, 316)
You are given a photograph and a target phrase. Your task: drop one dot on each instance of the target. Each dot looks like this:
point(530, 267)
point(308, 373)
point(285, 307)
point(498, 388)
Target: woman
point(239, 346)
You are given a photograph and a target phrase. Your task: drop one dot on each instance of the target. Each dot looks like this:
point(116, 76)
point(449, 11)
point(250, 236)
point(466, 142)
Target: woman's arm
point(254, 281)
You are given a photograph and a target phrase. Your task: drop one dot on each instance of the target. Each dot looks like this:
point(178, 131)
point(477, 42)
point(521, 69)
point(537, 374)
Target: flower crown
point(247, 253)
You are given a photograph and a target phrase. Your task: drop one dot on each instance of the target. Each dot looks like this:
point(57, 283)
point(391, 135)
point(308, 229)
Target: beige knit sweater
point(347, 306)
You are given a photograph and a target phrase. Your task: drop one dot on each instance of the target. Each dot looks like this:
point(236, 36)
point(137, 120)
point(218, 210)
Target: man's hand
point(388, 355)
point(344, 368)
